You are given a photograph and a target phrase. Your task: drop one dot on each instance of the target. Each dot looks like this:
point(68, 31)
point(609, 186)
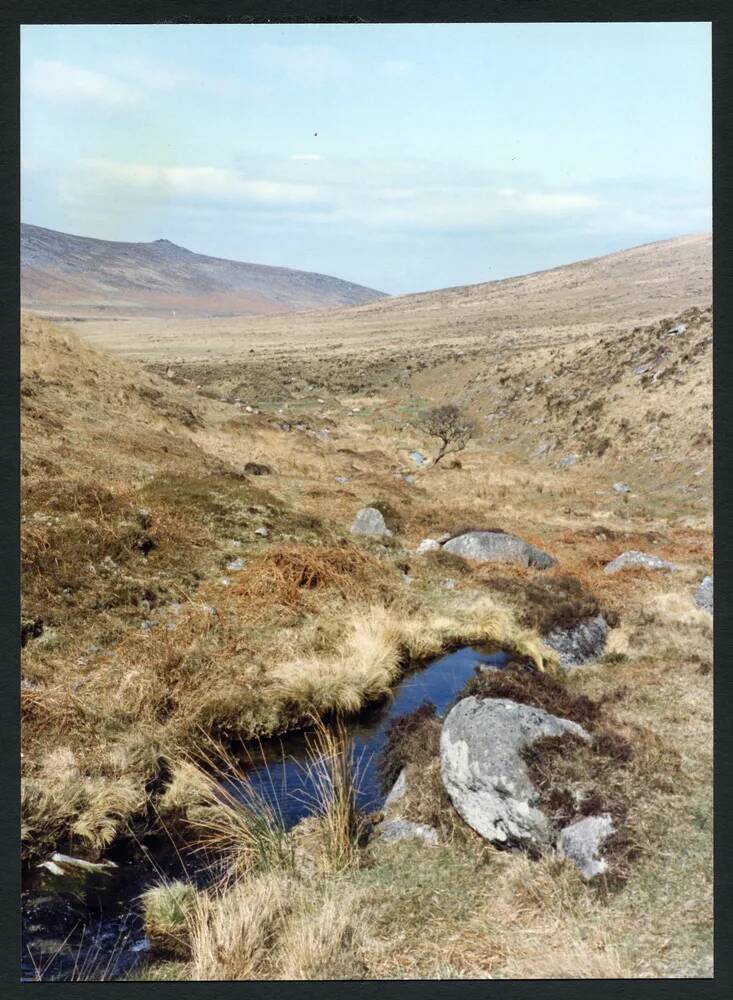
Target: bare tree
point(450, 426)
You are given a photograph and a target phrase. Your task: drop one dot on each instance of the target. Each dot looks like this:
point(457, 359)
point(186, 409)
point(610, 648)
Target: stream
point(91, 928)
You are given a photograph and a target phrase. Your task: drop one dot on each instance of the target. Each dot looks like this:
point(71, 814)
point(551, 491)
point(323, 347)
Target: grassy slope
point(115, 458)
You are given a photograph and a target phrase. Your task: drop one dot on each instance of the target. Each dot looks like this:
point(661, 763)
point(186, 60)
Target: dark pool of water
point(278, 770)
point(93, 925)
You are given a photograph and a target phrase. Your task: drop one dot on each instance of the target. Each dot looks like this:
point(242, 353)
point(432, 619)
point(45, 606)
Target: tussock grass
point(379, 641)
point(334, 773)
point(166, 913)
point(62, 806)
point(276, 927)
point(213, 799)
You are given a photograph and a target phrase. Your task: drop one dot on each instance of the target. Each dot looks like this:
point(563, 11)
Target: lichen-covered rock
point(369, 521)
point(633, 558)
point(581, 843)
point(704, 595)
point(496, 546)
point(484, 772)
point(393, 830)
point(581, 643)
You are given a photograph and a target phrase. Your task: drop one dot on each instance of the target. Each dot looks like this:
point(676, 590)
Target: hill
point(599, 296)
point(76, 275)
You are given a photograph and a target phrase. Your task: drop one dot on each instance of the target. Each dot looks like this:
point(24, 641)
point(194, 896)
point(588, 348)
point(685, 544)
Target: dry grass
point(275, 927)
point(319, 622)
point(288, 574)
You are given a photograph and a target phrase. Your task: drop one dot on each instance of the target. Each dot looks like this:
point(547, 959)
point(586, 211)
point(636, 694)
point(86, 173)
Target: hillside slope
point(600, 296)
point(63, 273)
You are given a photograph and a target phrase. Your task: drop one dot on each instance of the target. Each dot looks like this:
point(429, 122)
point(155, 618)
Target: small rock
point(581, 643)
point(409, 478)
point(634, 558)
point(704, 595)
point(675, 331)
point(427, 545)
point(391, 831)
point(621, 488)
point(417, 457)
point(580, 843)
point(369, 521)
point(567, 461)
point(236, 565)
point(449, 584)
point(543, 448)
point(262, 532)
point(406, 578)
point(342, 479)
point(225, 581)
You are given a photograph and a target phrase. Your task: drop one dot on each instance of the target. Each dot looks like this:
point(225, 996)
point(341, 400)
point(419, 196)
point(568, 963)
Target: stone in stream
point(396, 794)
point(581, 843)
point(484, 772)
point(496, 546)
point(704, 595)
point(633, 558)
point(581, 643)
point(369, 521)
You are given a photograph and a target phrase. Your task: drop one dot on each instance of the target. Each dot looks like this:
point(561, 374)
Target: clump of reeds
point(334, 776)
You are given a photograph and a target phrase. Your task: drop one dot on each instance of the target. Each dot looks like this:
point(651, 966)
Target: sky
point(402, 157)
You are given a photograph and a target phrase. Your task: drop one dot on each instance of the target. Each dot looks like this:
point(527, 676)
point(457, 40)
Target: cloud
point(370, 201)
point(305, 156)
point(60, 81)
point(199, 185)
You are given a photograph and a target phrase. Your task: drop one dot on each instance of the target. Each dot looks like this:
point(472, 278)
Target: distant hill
point(77, 275)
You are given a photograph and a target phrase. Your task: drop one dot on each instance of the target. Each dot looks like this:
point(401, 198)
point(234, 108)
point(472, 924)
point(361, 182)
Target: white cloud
point(305, 156)
point(376, 199)
point(60, 81)
point(199, 185)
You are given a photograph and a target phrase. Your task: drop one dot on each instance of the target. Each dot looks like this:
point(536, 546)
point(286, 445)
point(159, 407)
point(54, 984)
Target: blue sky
point(404, 157)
